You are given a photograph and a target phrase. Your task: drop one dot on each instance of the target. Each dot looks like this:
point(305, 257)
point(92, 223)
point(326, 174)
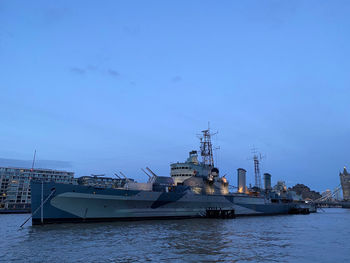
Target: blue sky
point(105, 86)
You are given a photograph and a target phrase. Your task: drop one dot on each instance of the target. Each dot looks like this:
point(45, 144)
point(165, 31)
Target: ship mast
point(207, 147)
point(257, 158)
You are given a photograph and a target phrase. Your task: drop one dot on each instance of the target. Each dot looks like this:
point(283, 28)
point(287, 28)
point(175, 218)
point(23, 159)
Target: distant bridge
point(328, 200)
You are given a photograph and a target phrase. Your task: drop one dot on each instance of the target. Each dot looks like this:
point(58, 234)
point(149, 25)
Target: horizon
point(68, 167)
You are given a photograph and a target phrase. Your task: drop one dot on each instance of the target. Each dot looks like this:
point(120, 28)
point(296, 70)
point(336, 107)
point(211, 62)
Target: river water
point(320, 237)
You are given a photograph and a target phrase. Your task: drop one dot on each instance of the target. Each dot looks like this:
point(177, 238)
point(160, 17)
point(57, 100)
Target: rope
point(36, 210)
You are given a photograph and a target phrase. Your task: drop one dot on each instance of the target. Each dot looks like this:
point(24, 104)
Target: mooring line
point(36, 210)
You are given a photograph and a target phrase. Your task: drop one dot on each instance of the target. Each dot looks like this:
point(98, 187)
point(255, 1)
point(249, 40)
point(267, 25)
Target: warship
point(193, 189)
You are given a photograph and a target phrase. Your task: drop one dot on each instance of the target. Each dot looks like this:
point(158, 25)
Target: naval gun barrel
point(146, 173)
point(151, 172)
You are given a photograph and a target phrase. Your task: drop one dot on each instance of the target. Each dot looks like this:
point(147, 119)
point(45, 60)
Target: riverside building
point(15, 193)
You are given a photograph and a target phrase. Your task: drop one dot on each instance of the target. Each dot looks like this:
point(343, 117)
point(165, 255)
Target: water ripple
point(254, 239)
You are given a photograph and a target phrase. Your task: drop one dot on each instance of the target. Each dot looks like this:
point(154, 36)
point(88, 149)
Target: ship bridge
point(192, 167)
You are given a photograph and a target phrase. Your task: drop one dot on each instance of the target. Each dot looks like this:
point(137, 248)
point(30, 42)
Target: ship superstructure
point(203, 177)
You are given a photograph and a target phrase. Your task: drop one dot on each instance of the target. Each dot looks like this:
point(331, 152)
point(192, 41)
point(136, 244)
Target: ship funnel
point(241, 180)
point(267, 181)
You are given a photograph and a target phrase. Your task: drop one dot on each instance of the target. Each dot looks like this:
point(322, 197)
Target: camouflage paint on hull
point(76, 203)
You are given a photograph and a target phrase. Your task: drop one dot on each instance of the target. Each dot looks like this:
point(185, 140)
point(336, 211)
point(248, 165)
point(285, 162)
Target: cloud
point(278, 13)
point(54, 15)
point(131, 30)
point(92, 67)
point(5, 34)
point(176, 79)
point(79, 71)
point(47, 164)
point(113, 73)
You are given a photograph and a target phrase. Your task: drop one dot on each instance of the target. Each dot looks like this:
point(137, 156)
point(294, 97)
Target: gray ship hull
point(76, 203)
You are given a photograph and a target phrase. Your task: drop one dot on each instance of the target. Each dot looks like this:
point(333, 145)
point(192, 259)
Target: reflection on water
point(321, 237)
